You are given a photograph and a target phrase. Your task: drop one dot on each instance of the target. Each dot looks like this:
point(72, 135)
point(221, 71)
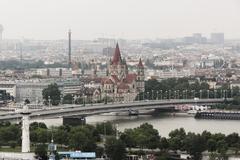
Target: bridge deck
point(73, 110)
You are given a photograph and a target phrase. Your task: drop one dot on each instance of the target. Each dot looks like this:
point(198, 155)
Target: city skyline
point(133, 19)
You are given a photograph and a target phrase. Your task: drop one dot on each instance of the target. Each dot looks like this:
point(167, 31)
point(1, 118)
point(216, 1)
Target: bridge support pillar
point(25, 130)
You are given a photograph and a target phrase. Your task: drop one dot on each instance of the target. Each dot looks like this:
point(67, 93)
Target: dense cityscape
point(118, 98)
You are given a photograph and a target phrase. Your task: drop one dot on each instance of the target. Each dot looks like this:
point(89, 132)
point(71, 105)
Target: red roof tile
point(130, 78)
point(115, 78)
point(123, 86)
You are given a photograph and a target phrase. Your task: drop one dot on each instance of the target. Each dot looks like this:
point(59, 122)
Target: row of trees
point(146, 136)
point(86, 138)
point(14, 64)
point(10, 134)
point(184, 88)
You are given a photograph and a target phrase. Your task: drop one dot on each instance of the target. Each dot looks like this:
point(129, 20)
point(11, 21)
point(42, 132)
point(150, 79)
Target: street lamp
point(208, 94)
point(61, 99)
point(152, 94)
point(104, 125)
point(49, 101)
point(38, 119)
point(193, 93)
point(117, 136)
point(165, 95)
point(72, 99)
point(84, 100)
point(169, 97)
point(200, 94)
point(161, 94)
point(105, 98)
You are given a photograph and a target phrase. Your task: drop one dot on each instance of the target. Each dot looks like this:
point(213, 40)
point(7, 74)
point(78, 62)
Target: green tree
point(128, 137)
point(82, 138)
point(222, 148)
point(178, 133)
point(36, 125)
point(211, 145)
point(41, 152)
point(52, 92)
point(164, 144)
point(232, 139)
point(68, 99)
point(144, 136)
point(115, 149)
point(61, 135)
point(195, 145)
point(175, 143)
point(107, 127)
point(236, 100)
point(40, 135)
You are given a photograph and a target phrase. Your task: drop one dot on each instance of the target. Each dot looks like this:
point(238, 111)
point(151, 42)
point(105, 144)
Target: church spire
point(140, 64)
point(117, 56)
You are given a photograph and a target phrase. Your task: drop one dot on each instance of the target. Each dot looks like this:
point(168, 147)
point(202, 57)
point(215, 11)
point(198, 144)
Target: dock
point(228, 115)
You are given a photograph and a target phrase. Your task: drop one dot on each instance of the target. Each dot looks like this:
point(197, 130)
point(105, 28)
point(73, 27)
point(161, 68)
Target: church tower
point(140, 76)
point(117, 66)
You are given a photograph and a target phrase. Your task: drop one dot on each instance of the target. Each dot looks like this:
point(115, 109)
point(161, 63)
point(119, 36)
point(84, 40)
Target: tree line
point(87, 137)
point(184, 88)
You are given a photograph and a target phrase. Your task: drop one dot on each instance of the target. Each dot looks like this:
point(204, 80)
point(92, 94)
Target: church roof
point(115, 78)
point(117, 56)
point(123, 86)
point(130, 78)
point(108, 81)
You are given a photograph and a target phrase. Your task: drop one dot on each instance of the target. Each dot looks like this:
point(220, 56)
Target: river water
point(164, 124)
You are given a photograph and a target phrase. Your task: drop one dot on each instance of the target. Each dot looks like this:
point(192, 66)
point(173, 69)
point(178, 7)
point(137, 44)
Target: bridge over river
point(93, 109)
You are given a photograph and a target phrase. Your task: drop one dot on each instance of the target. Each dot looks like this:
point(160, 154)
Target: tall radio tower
point(69, 49)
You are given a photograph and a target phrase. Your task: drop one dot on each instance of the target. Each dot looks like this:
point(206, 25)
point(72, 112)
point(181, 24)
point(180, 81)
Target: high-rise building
point(217, 38)
point(197, 37)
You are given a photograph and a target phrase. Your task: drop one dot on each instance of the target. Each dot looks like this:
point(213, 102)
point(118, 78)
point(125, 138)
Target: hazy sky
point(88, 19)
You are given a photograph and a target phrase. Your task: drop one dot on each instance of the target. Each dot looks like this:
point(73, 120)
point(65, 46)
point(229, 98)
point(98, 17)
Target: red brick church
point(119, 83)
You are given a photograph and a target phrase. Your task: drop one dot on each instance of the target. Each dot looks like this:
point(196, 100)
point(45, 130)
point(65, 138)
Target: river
point(164, 124)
